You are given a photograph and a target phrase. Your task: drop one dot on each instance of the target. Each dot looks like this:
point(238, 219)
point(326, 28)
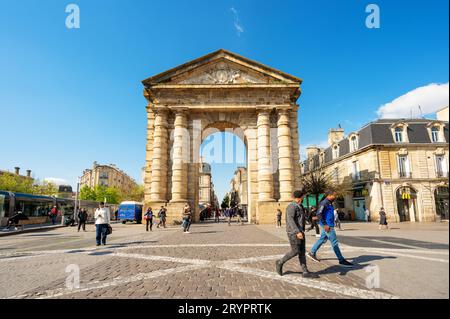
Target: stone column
point(159, 159)
point(180, 158)
point(265, 178)
point(149, 154)
point(284, 156)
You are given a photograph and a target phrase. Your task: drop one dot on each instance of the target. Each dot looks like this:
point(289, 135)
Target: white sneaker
point(317, 236)
point(15, 228)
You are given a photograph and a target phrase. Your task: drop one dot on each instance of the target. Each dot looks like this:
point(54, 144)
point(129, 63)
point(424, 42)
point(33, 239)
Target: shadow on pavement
point(359, 262)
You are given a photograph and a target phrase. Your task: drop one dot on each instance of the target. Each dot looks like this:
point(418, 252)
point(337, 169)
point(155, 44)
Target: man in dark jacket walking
point(295, 228)
point(325, 215)
point(82, 218)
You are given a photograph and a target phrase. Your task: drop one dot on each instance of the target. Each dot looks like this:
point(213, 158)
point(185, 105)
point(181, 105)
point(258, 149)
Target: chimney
point(312, 151)
point(335, 135)
point(28, 172)
point(17, 170)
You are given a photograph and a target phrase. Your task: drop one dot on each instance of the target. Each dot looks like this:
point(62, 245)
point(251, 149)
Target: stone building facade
point(221, 91)
point(238, 187)
point(206, 195)
point(401, 165)
point(107, 175)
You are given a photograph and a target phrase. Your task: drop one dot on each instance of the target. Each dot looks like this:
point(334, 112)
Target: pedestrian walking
point(148, 217)
point(229, 214)
point(187, 215)
point(102, 219)
point(313, 221)
point(279, 215)
point(82, 218)
point(383, 219)
point(325, 215)
point(217, 216)
point(162, 214)
point(53, 214)
point(295, 228)
point(240, 216)
point(367, 214)
point(337, 221)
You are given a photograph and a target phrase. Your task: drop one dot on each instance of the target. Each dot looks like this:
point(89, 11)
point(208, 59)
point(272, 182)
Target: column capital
point(159, 109)
point(264, 109)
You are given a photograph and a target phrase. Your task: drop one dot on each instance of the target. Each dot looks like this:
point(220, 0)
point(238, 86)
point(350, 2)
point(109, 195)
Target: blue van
point(130, 212)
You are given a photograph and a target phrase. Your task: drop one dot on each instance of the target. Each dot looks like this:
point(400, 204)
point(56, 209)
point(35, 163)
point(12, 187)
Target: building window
point(403, 166)
point(355, 171)
point(441, 166)
point(335, 151)
point(435, 134)
point(336, 174)
point(398, 134)
point(353, 143)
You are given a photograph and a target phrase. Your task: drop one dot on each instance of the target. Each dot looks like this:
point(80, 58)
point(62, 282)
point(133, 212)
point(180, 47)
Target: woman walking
point(187, 214)
point(383, 219)
point(279, 214)
point(148, 216)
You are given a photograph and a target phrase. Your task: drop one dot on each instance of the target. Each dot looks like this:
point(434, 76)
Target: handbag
point(109, 230)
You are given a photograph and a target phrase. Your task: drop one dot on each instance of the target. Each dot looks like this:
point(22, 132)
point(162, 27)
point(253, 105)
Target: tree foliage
point(110, 195)
point(225, 202)
point(19, 184)
point(318, 182)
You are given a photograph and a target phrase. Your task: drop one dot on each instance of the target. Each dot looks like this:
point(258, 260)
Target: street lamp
point(76, 200)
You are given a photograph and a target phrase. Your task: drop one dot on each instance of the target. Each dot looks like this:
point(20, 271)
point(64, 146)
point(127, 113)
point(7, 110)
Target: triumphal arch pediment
point(222, 91)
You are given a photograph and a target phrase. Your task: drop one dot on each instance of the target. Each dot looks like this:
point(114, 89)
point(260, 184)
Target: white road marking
point(391, 243)
point(316, 284)
point(396, 250)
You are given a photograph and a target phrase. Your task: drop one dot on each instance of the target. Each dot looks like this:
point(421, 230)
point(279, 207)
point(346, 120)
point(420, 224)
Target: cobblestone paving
point(213, 261)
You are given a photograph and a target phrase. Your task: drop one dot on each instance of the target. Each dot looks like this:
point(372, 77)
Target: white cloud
point(55, 180)
point(237, 25)
point(431, 98)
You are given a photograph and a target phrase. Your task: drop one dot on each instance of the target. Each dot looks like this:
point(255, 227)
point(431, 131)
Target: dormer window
point(335, 151)
point(435, 134)
point(398, 134)
point(436, 131)
point(353, 142)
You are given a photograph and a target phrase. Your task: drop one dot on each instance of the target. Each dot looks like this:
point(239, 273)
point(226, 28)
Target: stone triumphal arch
point(217, 92)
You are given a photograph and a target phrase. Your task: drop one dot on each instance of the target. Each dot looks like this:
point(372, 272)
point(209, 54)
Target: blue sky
point(69, 97)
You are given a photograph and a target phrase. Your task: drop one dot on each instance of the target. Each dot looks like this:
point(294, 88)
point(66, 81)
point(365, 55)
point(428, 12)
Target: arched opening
point(441, 202)
point(223, 183)
point(407, 204)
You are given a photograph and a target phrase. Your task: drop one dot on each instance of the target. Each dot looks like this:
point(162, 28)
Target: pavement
point(27, 229)
point(220, 261)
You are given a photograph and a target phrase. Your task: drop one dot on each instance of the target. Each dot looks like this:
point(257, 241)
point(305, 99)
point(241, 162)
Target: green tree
point(134, 194)
point(225, 202)
point(318, 182)
point(87, 193)
point(45, 188)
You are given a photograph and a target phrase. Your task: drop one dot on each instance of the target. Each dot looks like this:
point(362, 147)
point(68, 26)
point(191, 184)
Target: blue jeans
point(333, 240)
point(100, 233)
point(53, 218)
point(186, 225)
